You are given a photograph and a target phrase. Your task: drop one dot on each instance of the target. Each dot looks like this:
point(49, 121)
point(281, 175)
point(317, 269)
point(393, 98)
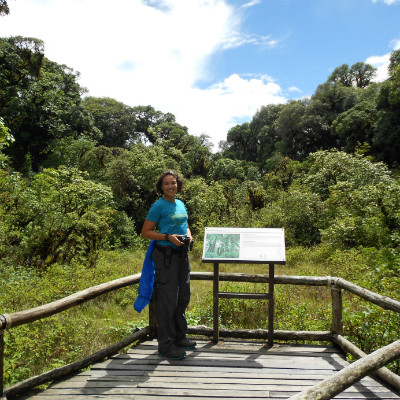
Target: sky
point(211, 63)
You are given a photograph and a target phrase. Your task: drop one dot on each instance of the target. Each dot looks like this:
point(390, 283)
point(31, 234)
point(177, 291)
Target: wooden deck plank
point(227, 370)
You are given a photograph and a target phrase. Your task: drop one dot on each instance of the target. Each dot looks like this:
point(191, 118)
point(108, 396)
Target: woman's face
point(169, 186)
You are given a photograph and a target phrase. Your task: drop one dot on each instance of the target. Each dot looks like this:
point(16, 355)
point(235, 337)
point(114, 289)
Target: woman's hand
point(174, 239)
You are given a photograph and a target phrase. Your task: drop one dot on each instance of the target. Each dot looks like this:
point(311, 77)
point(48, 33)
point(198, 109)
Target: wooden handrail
point(383, 373)
point(383, 301)
point(330, 387)
point(33, 314)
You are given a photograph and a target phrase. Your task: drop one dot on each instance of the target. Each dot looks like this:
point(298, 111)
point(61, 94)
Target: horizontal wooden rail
point(385, 302)
point(382, 301)
point(22, 317)
point(262, 334)
point(330, 387)
point(33, 314)
point(259, 278)
point(234, 295)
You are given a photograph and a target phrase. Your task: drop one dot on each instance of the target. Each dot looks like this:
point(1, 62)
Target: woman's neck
point(168, 198)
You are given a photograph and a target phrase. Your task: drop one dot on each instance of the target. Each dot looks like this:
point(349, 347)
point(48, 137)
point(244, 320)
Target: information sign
point(249, 245)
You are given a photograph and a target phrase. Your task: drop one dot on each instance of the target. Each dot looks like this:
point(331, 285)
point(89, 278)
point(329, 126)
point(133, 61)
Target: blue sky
point(212, 63)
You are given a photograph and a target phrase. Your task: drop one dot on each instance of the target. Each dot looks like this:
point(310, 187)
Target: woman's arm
point(148, 232)
point(189, 233)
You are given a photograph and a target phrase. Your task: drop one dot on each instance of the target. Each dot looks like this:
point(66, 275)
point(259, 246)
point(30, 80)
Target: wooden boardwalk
point(227, 370)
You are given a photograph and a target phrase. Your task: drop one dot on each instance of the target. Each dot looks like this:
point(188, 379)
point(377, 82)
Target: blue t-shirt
point(169, 217)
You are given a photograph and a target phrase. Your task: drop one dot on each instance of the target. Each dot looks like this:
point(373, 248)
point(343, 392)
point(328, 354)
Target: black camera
point(186, 241)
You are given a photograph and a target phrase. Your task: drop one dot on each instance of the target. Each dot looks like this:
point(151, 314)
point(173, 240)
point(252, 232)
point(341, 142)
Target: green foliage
point(40, 100)
point(114, 120)
point(359, 74)
point(299, 212)
point(329, 169)
point(357, 124)
point(5, 139)
point(59, 216)
point(4, 9)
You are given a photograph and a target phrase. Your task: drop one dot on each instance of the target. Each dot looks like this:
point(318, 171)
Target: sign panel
point(256, 245)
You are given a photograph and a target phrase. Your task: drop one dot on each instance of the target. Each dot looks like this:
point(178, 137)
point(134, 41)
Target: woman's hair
point(163, 175)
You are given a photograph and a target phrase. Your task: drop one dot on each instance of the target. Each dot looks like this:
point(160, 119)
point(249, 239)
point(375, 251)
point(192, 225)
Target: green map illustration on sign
point(222, 245)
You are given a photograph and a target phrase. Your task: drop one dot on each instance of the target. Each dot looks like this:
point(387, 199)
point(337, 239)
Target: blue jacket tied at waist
point(146, 283)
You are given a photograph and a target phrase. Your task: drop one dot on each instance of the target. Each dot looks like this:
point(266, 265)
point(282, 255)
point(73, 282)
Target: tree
point(296, 130)
point(115, 121)
point(5, 139)
point(356, 126)
point(386, 140)
point(40, 101)
point(21, 60)
point(362, 74)
point(5, 135)
point(343, 75)
point(359, 75)
point(146, 118)
point(60, 216)
point(4, 9)
point(239, 142)
point(264, 130)
point(330, 168)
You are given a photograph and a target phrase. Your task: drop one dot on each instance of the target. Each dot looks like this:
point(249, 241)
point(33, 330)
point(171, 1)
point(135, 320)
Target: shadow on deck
point(226, 370)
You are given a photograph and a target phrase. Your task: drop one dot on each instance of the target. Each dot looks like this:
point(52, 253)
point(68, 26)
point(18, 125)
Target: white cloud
point(227, 103)
point(387, 2)
point(294, 89)
point(150, 52)
point(251, 3)
point(381, 63)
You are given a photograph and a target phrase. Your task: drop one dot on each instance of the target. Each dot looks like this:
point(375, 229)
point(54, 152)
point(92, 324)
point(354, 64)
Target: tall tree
point(146, 118)
point(356, 125)
point(264, 130)
point(386, 141)
point(359, 74)
point(40, 101)
point(363, 74)
point(343, 75)
point(115, 121)
point(4, 9)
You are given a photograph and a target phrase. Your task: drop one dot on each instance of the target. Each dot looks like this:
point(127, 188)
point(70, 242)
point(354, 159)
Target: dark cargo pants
point(172, 285)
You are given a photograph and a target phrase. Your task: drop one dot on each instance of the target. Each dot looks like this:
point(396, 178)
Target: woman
point(172, 268)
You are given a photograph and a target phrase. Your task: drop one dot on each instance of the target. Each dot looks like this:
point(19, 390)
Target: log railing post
point(271, 305)
point(1, 362)
point(216, 303)
point(337, 310)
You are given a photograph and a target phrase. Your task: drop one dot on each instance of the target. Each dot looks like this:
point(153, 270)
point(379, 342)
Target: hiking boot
point(174, 353)
point(186, 343)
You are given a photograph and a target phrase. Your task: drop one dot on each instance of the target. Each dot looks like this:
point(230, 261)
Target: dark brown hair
point(163, 175)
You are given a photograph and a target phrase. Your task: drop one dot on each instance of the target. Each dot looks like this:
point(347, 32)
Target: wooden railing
point(366, 365)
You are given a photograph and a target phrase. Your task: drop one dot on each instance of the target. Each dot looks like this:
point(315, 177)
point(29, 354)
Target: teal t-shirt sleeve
point(154, 213)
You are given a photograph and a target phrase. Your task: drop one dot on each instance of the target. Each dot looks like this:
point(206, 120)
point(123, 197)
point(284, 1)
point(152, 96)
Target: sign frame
point(244, 245)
